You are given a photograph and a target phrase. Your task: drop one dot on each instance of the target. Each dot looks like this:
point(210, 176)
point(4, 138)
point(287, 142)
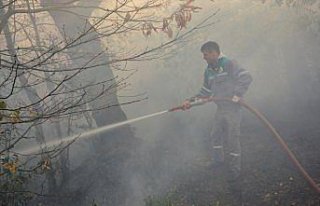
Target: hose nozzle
point(194, 102)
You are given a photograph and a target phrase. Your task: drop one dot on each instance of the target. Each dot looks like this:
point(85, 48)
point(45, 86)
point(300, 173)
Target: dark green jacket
point(225, 79)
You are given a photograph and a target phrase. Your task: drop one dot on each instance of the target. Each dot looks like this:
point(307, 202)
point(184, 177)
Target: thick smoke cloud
point(271, 42)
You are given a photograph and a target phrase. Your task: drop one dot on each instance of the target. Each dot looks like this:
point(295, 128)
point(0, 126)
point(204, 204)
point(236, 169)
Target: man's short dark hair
point(210, 46)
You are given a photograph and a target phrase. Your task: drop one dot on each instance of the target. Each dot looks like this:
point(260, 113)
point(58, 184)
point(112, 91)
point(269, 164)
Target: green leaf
point(3, 104)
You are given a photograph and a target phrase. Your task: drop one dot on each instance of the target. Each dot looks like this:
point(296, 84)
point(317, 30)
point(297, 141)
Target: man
point(224, 78)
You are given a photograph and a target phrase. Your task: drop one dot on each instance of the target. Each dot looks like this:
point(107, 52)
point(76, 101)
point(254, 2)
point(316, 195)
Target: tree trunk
point(98, 178)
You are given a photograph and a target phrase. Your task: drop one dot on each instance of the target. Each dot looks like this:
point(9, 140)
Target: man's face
point(210, 56)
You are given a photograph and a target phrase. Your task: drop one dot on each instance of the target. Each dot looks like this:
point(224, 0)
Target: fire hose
point(263, 119)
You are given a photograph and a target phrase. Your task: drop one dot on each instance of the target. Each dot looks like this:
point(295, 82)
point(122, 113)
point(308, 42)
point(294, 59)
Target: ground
point(269, 178)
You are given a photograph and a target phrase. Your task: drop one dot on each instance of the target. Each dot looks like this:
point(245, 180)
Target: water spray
point(91, 133)
point(195, 102)
point(87, 134)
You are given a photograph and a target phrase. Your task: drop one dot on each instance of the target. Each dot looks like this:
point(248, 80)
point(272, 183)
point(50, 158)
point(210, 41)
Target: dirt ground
point(268, 177)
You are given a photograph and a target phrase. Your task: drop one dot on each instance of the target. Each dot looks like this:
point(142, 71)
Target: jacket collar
point(221, 55)
point(213, 66)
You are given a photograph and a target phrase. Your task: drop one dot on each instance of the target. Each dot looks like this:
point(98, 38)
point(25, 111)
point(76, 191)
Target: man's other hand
point(235, 98)
point(186, 105)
